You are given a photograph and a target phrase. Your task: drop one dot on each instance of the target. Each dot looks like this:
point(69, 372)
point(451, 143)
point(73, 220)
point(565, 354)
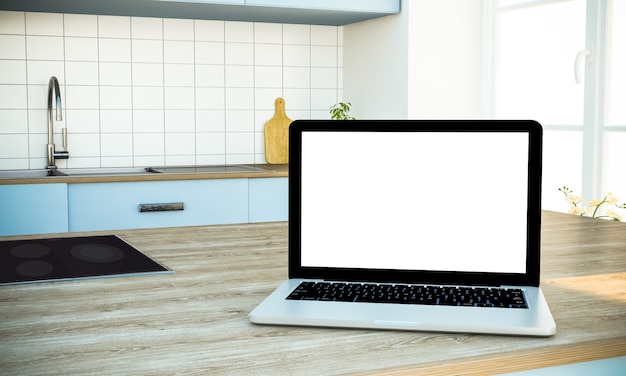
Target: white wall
point(424, 63)
point(376, 64)
point(140, 91)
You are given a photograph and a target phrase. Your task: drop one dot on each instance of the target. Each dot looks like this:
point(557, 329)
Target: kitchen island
point(195, 320)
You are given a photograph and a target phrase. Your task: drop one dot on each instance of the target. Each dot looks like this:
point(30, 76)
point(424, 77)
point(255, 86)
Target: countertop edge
point(273, 171)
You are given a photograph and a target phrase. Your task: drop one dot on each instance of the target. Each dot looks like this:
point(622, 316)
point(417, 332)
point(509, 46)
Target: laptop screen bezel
point(529, 278)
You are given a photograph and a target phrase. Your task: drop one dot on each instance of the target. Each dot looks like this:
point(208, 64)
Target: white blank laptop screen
point(437, 201)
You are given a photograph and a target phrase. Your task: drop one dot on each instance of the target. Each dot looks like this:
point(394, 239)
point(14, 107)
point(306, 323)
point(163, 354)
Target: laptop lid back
point(415, 201)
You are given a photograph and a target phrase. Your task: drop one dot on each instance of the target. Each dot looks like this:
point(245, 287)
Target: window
point(563, 63)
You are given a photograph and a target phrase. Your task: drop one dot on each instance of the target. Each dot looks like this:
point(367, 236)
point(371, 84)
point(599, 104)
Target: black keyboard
point(410, 294)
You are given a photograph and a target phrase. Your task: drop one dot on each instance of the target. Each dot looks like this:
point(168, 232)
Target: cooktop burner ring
point(34, 268)
point(96, 252)
point(30, 251)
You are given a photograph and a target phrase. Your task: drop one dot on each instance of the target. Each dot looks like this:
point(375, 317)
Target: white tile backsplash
point(239, 54)
point(116, 144)
point(209, 53)
point(209, 30)
point(14, 121)
point(296, 56)
point(114, 50)
point(145, 121)
point(12, 22)
point(148, 144)
point(147, 51)
point(240, 121)
point(44, 47)
point(297, 34)
point(81, 73)
point(147, 74)
point(239, 32)
point(81, 98)
point(323, 78)
point(113, 27)
point(80, 25)
point(239, 76)
point(208, 98)
point(209, 75)
point(180, 121)
point(152, 91)
point(14, 146)
point(296, 77)
point(178, 52)
point(323, 36)
point(44, 24)
point(268, 33)
point(115, 121)
point(13, 97)
point(81, 145)
point(81, 49)
point(146, 28)
point(179, 75)
point(115, 74)
point(179, 98)
point(210, 121)
point(175, 29)
point(148, 98)
point(12, 71)
point(13, 47)
point(268, 77)
point(268, 54)
point(87, 121)
point(178, 144)
point(239, 98)
point(323, 56)
point(39, 73)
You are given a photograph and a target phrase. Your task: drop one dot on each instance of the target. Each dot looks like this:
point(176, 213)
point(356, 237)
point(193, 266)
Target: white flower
point(610, 199)
point(575, 199)
point(595, 202)
point(575, 210)
point(613, 215)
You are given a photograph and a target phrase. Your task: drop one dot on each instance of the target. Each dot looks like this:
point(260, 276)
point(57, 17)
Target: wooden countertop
point(195, 321)
point(272, 171)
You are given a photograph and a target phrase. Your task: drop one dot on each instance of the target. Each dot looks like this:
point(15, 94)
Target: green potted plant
point(341, 111)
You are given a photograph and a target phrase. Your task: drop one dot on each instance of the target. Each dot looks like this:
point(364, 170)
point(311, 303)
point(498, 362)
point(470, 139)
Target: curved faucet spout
point(53, 89)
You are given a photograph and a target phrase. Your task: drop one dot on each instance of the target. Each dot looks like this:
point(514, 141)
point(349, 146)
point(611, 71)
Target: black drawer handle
point(143, 208)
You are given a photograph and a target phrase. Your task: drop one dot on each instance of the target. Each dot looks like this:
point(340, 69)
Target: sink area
point(114, 171)
point(209, 169)
point(16, 174)
point(101, 171)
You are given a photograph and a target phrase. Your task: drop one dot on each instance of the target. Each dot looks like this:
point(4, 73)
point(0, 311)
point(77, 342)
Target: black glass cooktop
point(57, 259)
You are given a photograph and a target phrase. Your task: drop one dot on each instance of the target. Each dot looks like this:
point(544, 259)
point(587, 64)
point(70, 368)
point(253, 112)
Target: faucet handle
point(64, 133)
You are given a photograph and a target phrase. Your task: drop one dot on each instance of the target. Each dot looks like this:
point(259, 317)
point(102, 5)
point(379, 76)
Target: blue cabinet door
point(108, 206)
point(268, 200)
point(33, 209)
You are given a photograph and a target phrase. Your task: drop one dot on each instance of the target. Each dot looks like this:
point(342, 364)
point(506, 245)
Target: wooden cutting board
point(277, 135)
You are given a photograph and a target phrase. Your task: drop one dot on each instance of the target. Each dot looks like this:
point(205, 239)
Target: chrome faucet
point(53, 85)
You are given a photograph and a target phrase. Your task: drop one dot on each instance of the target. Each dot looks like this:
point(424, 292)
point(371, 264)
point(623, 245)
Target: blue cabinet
point(48, 208)
point(109, 206)
point(268, 200)
point(33, 209)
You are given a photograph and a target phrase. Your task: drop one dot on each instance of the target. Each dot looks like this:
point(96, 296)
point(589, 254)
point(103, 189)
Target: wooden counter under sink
point(127, 174)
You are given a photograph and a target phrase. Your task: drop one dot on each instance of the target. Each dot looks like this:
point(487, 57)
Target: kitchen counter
point(195, 321)
point(271, 171)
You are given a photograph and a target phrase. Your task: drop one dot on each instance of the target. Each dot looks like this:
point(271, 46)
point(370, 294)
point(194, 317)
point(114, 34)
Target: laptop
point(414, 225)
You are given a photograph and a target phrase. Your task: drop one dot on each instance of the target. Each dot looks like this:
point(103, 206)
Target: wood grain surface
point(194, 322)
point(277, 135)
